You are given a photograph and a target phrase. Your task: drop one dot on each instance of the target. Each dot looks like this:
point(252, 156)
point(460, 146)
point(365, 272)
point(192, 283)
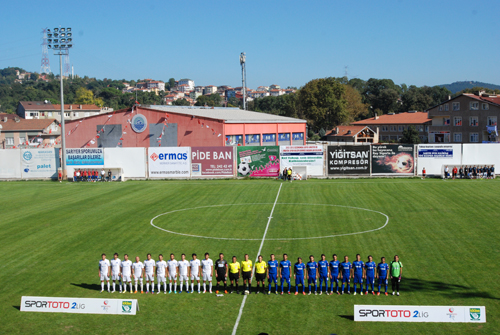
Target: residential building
point(46, 110)
point(263, 88)
point(352, 134)
point(188, 82)
point(184, 88)
point(467, 118)
point(210, 89)
point(391, 126)
point(199, 89)
point(276, 92)
point(274, 87)
point(258, 94)
point(194, 95)
point(16, 132)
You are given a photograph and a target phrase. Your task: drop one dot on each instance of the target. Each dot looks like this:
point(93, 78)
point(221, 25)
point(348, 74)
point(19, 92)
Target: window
point(420, 128)
point(269, 138)
point(298, 136)
point(400, 128)
point(66, 114)
point(457, 121)
point(426, 128)
point(441, 108)
point(234, 140)
point(474, 105)
point(456, 106)
point(50, 113)
point(43, 113)
point(392, 128)
point(75, 114)
point(446, 121)
point(485, 106)
point(492, 120)
point(473, 121)
point(87, 113)
point(457, 137)
point(474, 137)
point(385, 128)
point(446, 107)
point(22, 140)
point(9, 140)
point(252, 139)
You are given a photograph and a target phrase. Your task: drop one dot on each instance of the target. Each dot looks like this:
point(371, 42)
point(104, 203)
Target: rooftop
point(228, 115)
point(36, 105)
point(76, 106)
point(344, 130)
point(401, 118)
point(24, 124)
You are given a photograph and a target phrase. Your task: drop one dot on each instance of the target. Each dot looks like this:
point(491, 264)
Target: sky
point(288, 43)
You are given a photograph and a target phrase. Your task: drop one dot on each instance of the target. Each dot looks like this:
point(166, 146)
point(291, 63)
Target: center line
point(257, 257)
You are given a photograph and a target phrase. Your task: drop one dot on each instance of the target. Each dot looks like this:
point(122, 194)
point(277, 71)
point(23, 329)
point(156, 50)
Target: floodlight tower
point(244, 78)
point(45, 68)
point(61, 40)
point(66, 66)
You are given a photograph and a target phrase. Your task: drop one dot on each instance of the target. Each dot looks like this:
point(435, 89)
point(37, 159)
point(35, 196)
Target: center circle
point(271, 218)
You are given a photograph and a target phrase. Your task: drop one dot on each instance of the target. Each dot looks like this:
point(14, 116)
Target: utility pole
point(243, 79)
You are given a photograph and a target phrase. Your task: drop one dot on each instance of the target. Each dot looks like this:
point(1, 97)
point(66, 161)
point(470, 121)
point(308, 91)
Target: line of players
point(122, 272)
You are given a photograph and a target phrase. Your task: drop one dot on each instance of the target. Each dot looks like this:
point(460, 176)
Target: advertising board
point(393, 159)
point(348, 159)
point(212, 161)
point(85, 156)
point(257, 161)
point(169, 162)
point(39, 163)
point(79, 305)
point(311, 156)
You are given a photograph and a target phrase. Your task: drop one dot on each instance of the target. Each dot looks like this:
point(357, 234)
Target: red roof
point(36, 105)
point(25, 125)
point(77, 107)
point(494, 99)
point(343, 130)
point(401, 118)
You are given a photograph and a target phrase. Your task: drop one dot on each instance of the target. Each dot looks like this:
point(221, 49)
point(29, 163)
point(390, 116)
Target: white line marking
point(257, 257)
point(270, 217)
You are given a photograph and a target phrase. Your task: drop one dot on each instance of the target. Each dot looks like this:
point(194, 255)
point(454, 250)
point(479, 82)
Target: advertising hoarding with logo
point(212, 161)
point(311, 156)
point(348, 159)
point(85, 156)
point(434, 156)
point(39, 163)
point(394, 313)
point(393, 159)
point(79, 305)
point(169, 162)
point(258, 161)
point(139, 123)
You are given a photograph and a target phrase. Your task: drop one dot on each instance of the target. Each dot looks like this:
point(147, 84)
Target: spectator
point(109, 175)
point(492, 172)
point(461, 172)
point(423, 173)
point(103, 174)
point(446, 172)
point(454, 171)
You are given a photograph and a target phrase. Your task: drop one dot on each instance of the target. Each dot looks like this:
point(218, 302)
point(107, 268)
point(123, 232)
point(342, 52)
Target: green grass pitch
point(446, 233)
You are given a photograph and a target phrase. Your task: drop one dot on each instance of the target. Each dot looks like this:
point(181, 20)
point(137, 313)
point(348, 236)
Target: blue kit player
point(345, 274)
point(382, 269)
point(334, 274)
point(298, 274)
point(285, 266)
point(312, 274)
point(272, 274)
point(370, 268)
point(323, 274)
point(358, 266)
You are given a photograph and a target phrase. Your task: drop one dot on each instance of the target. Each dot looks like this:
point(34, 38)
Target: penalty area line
point(235, 328)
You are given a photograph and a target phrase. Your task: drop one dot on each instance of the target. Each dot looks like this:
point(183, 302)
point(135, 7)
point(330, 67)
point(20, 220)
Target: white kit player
point(126, 273)
point(115, 272)
point(172, 273)
point(208, 268)
point(194, 272)
point(160, 274)
point(104, 268)
point(183, 266)
point(149, 269)
point(138, 273)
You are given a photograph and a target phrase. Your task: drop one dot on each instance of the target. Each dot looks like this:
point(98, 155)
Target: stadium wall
point(432, 157)
point(10, 163)
point(131, 160)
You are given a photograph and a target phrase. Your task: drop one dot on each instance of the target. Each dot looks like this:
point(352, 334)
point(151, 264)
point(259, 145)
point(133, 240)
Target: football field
point(446, 234)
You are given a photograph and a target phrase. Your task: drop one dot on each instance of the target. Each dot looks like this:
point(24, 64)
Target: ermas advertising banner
point(349, 159)
point(311, 156)
point(168, 162)
point(212, 161)
point(79, 305)
point(395, 313)
point(39, 163)
point(85, 156)
point(393, 158)
point(256, 161)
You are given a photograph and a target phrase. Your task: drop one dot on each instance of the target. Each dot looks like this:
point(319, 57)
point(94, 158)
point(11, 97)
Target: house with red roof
point(352, 134)
point(16, 132)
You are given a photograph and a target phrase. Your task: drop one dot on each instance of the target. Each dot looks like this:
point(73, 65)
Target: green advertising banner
point(256, 161)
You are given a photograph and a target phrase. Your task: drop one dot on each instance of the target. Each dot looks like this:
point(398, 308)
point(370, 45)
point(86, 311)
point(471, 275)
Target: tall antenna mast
point(45, 68)
point(243, 78)
point(345, 71)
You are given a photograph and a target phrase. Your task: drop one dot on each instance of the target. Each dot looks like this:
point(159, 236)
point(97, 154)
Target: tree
point(233, 102)
point(410, 136)
point(356, 109)
point(86, 97)
point(323, 104)
point(181, 102)
point(212, 100)
point(171, 84)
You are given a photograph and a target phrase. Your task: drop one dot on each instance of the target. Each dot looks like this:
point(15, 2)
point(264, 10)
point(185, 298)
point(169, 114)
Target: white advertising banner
point(131, 160)
point(311, 156)
point(169, 162)
point(39, 163)
point(10, 163)
point(394, 313)
point(481, 154)
point(79, 305)
point(433, 157)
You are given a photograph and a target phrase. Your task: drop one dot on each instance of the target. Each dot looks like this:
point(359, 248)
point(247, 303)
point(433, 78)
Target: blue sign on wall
point(82, 156)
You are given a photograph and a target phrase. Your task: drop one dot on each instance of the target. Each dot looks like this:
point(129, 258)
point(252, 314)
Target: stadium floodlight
point(61, 36)
point(49, 35)
point(49, 40)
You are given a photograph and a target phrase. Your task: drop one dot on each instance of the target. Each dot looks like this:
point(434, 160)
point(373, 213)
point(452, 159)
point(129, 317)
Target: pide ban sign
point(394, 313)
point(79, 305)
point(212, 161)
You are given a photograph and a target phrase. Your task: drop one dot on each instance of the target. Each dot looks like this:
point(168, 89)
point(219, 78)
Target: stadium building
point(168, 126)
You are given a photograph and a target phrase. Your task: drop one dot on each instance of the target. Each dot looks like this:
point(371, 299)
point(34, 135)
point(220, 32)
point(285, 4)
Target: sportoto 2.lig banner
point(259, 161)
point(311, 156)
point(168, 162)
point(394, 313)
point(83, 156)
point(79, 305)
point(39, 163)
point(348, 159)
point(393, 158)
point(212, 161)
